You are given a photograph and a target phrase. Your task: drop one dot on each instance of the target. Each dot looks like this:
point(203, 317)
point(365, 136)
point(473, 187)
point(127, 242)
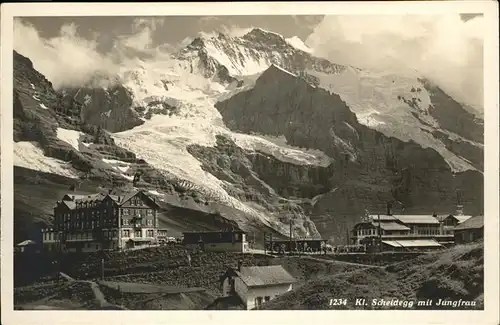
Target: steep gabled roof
point(71, 200)
point(462, 218)
point(471, 223)
point(130, 195)
point(257, 276)
point(459, 218)
point(70, 204)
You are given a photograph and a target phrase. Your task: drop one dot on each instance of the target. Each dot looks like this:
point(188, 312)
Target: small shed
point(25, 246)
point(471, 230)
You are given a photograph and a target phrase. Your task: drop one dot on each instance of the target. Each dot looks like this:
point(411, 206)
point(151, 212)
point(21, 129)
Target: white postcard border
point(491, 171)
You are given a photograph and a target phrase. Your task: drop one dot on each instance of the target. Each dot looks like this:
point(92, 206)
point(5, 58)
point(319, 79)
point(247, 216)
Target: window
point(258, 302)
point(267, 298)
point(149, 212)
point(138, 233)
point(126, 233)
point(150, 222)
point(125, 222)
point(150, 233)
point(237, 236)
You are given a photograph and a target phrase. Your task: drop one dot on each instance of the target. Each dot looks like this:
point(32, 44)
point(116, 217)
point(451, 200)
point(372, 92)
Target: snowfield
point(373, 97)
point(180, 80)
point(162, 140)
point(69, 136)
point(29, 155)
point(298, 44)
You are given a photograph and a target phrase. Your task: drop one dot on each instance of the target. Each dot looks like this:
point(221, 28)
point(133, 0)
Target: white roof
point(26, 243)
point(381, 217)
point(462, 218)
point(413, 219)
point(412, 243)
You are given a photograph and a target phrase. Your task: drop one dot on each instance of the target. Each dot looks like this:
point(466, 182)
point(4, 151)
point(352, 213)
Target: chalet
point(399, 232)
point(255, 285)
point(87, 223)
point(470, 230)
point(224, 240)
point(449, 222)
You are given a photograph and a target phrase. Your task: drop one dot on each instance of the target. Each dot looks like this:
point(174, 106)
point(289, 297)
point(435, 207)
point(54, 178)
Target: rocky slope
point(450, 275)
point(259, 129)
point(59, 144)
point(369, 169)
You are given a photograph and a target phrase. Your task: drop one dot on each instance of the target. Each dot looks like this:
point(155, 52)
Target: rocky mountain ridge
point(364, 159)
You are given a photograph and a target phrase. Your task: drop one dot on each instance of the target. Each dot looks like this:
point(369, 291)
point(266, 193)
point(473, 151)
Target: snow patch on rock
point(29, 155)
point(69, 136)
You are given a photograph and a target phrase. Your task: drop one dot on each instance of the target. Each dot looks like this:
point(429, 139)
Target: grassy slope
point(454, 274)
point(35, 195)
point(168, 266)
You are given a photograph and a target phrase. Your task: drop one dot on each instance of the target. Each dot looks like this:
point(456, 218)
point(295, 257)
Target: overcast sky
point(446, 49)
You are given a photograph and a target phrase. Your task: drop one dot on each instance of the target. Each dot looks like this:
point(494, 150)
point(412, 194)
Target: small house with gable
point(255, 285)
point(469, 231)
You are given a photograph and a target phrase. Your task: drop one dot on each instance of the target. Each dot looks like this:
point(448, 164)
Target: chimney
point(110, 191)
point(240, 262)
point(460, 210)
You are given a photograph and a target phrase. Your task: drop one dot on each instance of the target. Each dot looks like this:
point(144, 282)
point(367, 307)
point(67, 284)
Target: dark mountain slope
point(369, 167)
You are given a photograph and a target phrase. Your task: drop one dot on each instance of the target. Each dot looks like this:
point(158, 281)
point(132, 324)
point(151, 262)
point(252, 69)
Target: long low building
point(410, 244)
point(302, 245)
point(400, 232)
point(224, 240)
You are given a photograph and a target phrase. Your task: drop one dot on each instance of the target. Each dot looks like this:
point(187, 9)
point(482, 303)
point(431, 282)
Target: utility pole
point(347, 230)
point(290, 240)
point(102, 269)
point(271, 242)
point(379, 235)
point(265, 239)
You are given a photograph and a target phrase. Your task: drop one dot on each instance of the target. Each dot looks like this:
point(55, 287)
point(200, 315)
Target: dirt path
point(329, 261)
point(99, 297)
